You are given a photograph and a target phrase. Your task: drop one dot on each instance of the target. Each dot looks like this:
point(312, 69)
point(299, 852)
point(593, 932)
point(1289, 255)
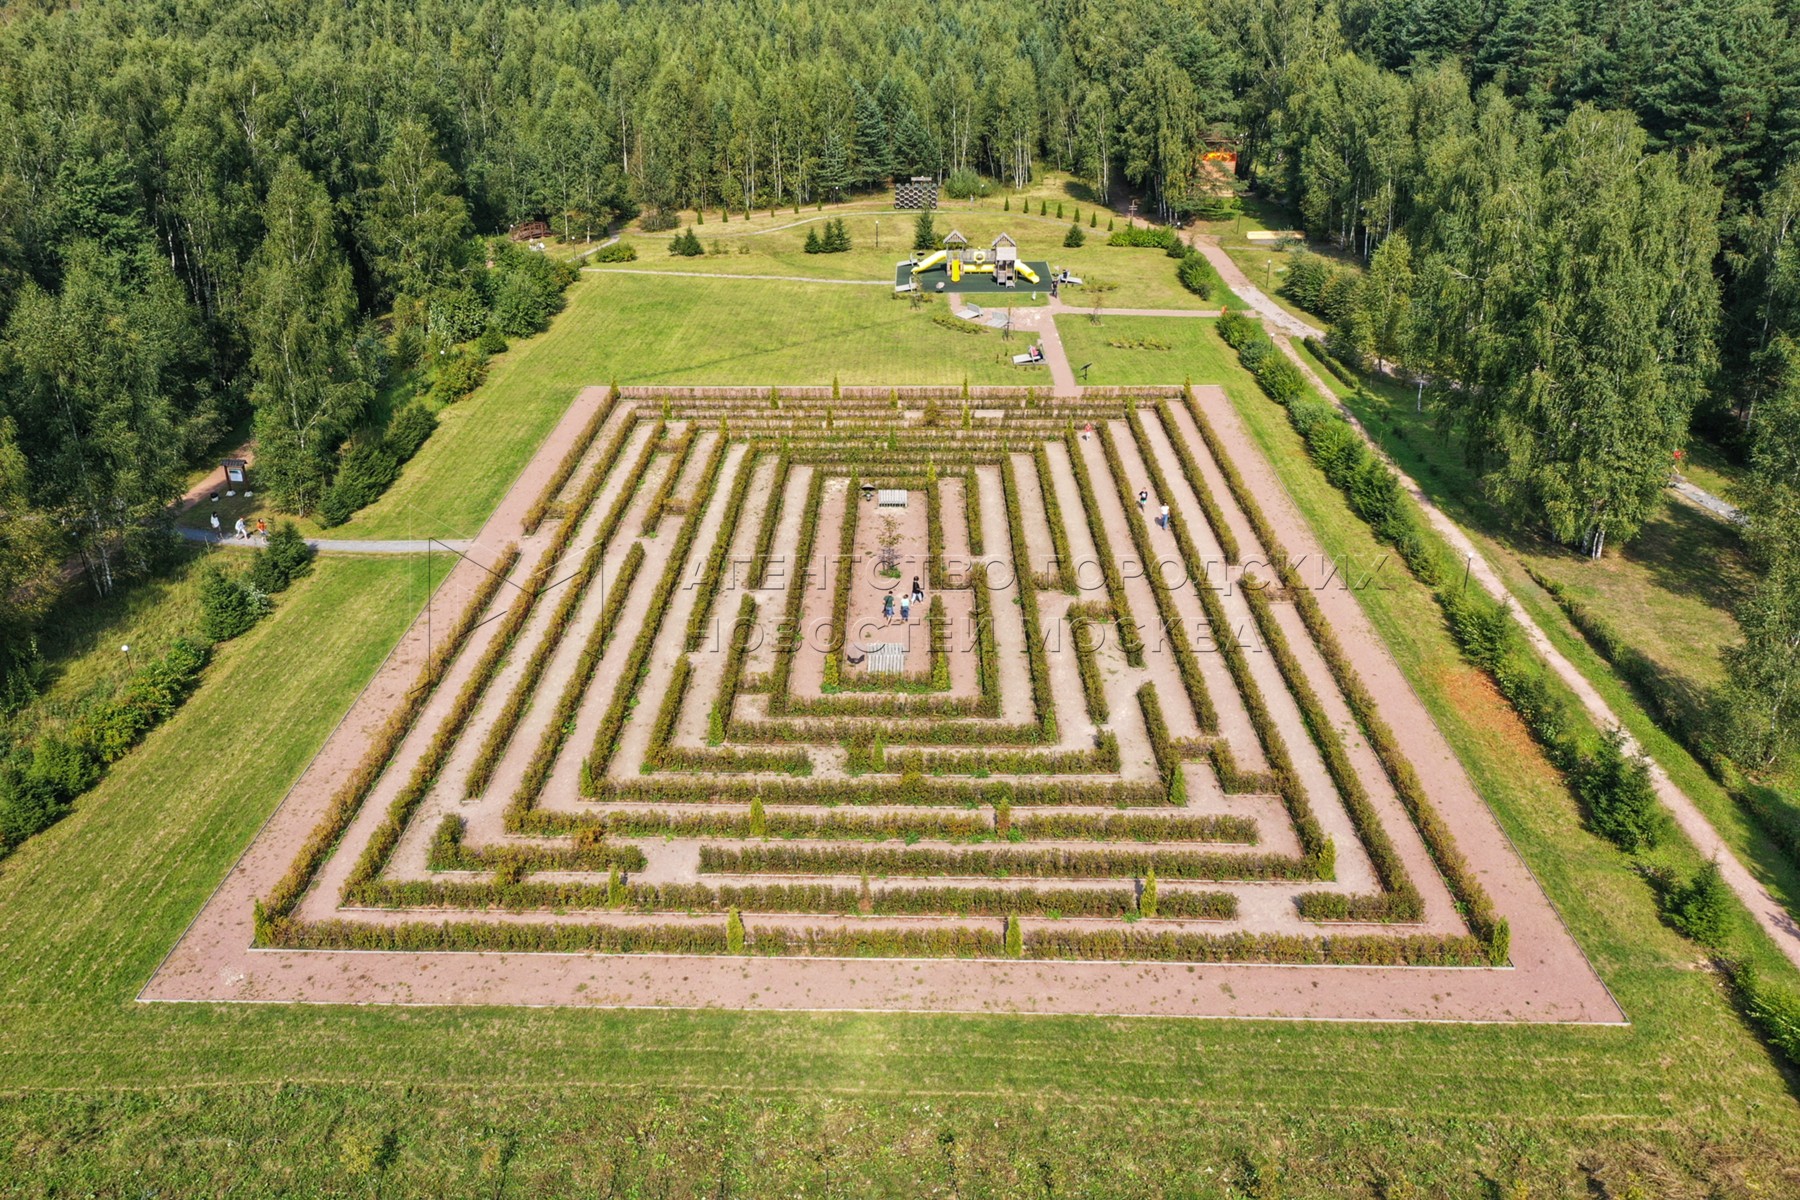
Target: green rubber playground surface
point(975, 284)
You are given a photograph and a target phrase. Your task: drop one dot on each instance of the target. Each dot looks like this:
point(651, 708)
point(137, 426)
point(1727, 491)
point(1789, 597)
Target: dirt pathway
point(1277, 318)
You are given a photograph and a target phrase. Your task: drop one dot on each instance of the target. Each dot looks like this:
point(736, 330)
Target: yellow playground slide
point(955, 269)
point(928, 262)
point(1028, 273)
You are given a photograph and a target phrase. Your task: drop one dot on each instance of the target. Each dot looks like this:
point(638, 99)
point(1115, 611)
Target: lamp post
point(878, 233)
point(1268, 274)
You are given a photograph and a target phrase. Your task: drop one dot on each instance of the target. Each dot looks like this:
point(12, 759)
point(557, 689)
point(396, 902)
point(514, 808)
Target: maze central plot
point(891, 676)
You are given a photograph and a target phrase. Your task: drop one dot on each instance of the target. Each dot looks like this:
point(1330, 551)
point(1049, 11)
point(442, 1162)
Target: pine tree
point(1015, 937)
point(1147, 898)
point(734, 932)
point(1701, 908)
point(759, 820)
point(813, 244)
point(925, 237)
point(1074, 238)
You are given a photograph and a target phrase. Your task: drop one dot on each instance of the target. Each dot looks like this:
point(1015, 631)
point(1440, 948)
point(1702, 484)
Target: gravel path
point(730, 275)
point(335, 545)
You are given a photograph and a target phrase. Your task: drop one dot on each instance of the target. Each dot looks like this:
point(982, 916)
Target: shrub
point(964, 184)
point(457, 376)
point(228, 606)
point(1618, 795)
point(686, 244)
point(1015, 937)
point(1155, 237)
point(1147, 898)
point(407, 431)
point(1075, 238)
point(1196, 274)
point(618, 252)
point(734, 933)
point(1701, 907)
point(491, 341)
point(366, 472)
point(286, 558)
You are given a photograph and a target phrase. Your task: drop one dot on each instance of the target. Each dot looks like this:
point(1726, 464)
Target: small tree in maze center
point(887, 555)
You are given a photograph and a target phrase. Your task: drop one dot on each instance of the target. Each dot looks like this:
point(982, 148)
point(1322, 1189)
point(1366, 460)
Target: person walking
point(218, 532)
point(1143, 499)
point(262, 528)
point(243, 530)
point(1162, 520)
point(906, 608)
point(918, 592)
point(887, 607)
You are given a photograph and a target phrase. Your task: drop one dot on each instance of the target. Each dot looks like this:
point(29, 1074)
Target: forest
point(1577, 221)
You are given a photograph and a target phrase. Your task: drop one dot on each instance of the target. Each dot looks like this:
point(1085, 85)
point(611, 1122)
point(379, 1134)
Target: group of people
point(908, 601)
point(1164, 520)
point(242, 529)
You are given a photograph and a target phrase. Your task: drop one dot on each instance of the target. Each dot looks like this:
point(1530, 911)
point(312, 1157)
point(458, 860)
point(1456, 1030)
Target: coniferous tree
point(311, 380)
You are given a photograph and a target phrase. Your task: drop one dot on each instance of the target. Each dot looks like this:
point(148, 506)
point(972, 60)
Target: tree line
point(1574, 215)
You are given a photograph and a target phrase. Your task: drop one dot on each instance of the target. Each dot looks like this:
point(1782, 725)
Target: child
point(1143, 499)
point(906, 608)
point(887, 607)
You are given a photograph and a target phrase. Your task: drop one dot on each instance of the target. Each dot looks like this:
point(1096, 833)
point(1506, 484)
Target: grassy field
point(1144, 278)
point(109, 1097)
point(1195, 352)
point(638, 329)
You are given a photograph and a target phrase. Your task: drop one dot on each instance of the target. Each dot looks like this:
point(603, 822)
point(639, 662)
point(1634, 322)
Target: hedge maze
point(659, 724)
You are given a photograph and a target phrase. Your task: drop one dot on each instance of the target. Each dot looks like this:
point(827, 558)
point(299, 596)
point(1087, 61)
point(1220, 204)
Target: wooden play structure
point(957, 259)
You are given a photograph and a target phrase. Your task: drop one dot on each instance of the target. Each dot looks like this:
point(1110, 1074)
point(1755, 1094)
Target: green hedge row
point(697, 937)
point(349, 797)
point(1087, 662)
point(1065, 566)
point(788, 633)
point(972, 510)
point(1130, 640)
point(712, 577)
point(1205, 714)
point(1037, 660)
point(833, 667)
point(591, 851)
point(765, 535)
point(659, 500)
point(916, 790)
point(1400, 899)
point(1100, 759)
point(570, 460)
point(1038, 863)
point(574, 591)
point(1196, 479)
point(1149, 945)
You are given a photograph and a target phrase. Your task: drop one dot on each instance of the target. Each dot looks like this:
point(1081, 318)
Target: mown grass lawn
point(111, 1096)
point(638, 329)
point(1195, 351)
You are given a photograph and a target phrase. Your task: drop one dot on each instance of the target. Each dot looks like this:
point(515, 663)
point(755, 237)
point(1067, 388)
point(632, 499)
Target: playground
point(972, 270)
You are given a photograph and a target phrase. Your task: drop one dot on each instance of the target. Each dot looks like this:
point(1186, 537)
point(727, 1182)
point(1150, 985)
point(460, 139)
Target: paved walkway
point(731, 275)
point(1704, 499)
point(336, 545)
point(1769, 912)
